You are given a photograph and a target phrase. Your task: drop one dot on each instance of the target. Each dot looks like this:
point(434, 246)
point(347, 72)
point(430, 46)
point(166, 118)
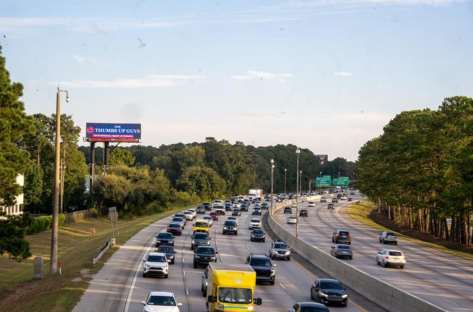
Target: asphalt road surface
point(435, 276)
point(120, 287)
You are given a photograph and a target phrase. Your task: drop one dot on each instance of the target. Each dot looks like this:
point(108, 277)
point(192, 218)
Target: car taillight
point(386, 257)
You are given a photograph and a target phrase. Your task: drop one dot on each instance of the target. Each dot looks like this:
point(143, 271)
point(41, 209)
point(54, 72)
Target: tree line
point(420, 170)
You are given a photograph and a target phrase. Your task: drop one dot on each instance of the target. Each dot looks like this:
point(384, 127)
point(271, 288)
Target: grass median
point(78, 243)
point(363, 212)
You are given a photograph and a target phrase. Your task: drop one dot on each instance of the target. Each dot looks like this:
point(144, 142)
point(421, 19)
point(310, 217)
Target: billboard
point(113, 132)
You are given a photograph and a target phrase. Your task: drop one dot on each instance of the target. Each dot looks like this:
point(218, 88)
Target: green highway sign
point(323, 181)
point(341, 181)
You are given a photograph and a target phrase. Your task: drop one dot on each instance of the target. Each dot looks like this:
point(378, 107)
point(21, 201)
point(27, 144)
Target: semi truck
point(230, 288)
point(255, 193)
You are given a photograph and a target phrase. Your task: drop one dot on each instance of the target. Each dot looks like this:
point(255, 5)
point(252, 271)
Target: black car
point(228, 207)
point(164, 238)
point(169, 251)
point(230, 227)
point(330, 206)
point(257, 235)
point(236, 212)
point(200, 239)
point(207, 206)
point(303, 213)
point(244, 207)
point(200, 210)
point(309, 307)
point(327, 291)
point(334, 200)
point(182, 216)
point(203, 255)
point(256, 212)
point(263, 267)
point(287, 210)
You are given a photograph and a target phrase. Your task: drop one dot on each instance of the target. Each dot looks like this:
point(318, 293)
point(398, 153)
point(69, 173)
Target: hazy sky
point(321, 74)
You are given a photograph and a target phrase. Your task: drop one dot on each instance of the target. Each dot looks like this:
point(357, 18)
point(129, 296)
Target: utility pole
point(298, 152)
point(285, 180)
point(57, 163)
point(272, 183)
point(63, 174)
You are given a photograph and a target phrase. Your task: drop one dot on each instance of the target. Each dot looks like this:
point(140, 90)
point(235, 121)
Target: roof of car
point(311, 304)
point(259, 256)
point(328, 280)
point(161, 294)
point(156, 254)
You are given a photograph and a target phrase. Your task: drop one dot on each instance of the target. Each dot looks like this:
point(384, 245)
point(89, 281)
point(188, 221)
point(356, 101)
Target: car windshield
point(161, 301)
point(260, 262)
point(154, 258)
point(234, 295)
point(280, 245)
point(395, 253)
point(230, 223)
point(201, 236)
point(343, 247)
point(390, 234)
point(343, 233)
point(165, 236)
point(166, 249)
point(255, 220)
point(174, 225)
point(201, 224)
point(258, 232)
point(330, 285)
point(206, 250)
point(313, 309)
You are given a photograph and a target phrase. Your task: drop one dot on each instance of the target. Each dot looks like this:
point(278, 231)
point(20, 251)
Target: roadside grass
point(363, 211)
point(77, 247)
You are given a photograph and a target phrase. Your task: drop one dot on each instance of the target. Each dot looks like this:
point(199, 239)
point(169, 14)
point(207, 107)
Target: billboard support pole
point(105, 156)
point(92, 165)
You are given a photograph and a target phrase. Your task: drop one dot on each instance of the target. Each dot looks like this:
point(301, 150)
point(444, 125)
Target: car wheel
point(288, 258)
point(351, 257)
point(311, 295)
point(144, 275)
point(172, 261)
point(402, 266)
point(385, 264)
point(166, 275)
point(194, 265)
point(377, 262)
point(345, 304)
point(273, 282)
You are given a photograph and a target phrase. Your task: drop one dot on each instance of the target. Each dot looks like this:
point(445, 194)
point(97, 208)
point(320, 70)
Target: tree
point(202, 181)
point(12, 241)
point(121, 156)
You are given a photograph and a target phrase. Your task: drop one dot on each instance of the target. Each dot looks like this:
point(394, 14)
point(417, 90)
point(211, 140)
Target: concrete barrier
point(385, 295)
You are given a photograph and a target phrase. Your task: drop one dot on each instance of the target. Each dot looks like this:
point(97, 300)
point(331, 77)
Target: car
point(257, 235)
point(203, 255)
point(309, 307)
point(341, 251)
point(291, 220)
point(343, 198)
point(220, 211)
point(263, 267)
point(236, 212)
point(311, 204)
point(287, 210)
point(341, 236)
point(189, 215)
point(256, 212)
point(257, 206)
point(349, 199)
point(209, 219)
point(244, 207)
point(228, 207)
point(204, 282)
point(330, 206)
point(233, 218)
point(303, 213)
point(388, 238)
point(201, 225)
point(164, 238)
point(181, 215)
point(334, 200)
point(254, 222)
point(265, 205)
point(280, 250)
point(200, 210)
point(207, 206)
point(169, 252)
point(327, 291)
point(230, 227)
point(174, 228)
point(180, 220)
point(391, 257)
point(155, 263)
point(323, 200)
point(157, 301)
point(200, 239)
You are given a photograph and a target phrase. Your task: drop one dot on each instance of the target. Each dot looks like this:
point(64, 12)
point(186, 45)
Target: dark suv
point(263, 267)
point(326, 291)
point(203, 255)
point(287, 210)
point(341, 236)
point(169, 251)
point(164, 238)
point(200, 239)
point(230, 227)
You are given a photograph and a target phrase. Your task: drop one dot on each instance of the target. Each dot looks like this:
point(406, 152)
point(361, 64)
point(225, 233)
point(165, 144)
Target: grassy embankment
point(77, 246)
point(364, 213)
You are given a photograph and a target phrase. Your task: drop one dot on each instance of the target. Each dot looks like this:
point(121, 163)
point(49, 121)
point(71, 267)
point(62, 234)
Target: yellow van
point(230, 288)
point(201, 225)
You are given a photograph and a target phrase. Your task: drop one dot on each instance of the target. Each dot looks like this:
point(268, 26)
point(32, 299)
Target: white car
point(311, 204)
point(156, 263)
point(254, 223)
point(161, 301)
point(209, 220)
point(292, 220)
point(391, 257)
point(189, 215)
point(217, 203)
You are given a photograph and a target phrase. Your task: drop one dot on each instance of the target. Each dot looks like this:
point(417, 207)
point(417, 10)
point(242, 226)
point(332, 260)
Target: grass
point(363, 211)
point(77, 246)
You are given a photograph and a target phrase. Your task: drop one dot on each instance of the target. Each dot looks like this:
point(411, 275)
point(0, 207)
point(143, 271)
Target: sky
point(320, 74)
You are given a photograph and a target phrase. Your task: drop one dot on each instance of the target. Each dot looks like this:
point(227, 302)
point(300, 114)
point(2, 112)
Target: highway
point(435, 276)
point(119, 286)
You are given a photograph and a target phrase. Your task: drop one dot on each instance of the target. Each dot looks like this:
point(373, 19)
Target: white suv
point(254, 223)
point(161, 301)
point(391, 257)
point(156, 263)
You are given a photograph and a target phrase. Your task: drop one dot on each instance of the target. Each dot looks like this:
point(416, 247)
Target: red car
point(174, 228)
point(214, 216)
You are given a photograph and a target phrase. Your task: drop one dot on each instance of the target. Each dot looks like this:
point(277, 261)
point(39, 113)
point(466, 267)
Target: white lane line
point(138, 269)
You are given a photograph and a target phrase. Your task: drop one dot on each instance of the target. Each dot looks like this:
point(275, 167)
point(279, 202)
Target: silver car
point(341, 251)
point(388, 238)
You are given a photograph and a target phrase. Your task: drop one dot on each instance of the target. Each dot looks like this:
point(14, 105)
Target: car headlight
point(323, 294)
point(250, 308)
point(273, 272)
point(146, 266)
point(193, 241)
point(344, 296)
point(225, 227)
point(287, 252)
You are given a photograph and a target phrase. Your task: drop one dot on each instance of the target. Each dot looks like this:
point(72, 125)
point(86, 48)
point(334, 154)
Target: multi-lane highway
point(119, 286)
point(435, 276)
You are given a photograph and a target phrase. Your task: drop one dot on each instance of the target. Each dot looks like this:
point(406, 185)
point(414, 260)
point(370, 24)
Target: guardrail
point(102, 251)
point(385, 295)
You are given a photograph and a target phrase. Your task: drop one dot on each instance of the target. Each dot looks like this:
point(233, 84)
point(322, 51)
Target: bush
point(43, 223)
point(93, 213)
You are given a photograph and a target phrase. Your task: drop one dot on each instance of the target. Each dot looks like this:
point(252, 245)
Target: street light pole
point(298, 152)
point(285, 180)
point(272, 183)
point(57, 184)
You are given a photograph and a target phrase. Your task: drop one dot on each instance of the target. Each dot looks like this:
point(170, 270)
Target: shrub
point(93, 213)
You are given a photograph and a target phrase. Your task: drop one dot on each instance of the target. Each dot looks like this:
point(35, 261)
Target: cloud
point(260, 75)
point(151, 81)
point(83, 60)
point(304, 4)
point(342, 74)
